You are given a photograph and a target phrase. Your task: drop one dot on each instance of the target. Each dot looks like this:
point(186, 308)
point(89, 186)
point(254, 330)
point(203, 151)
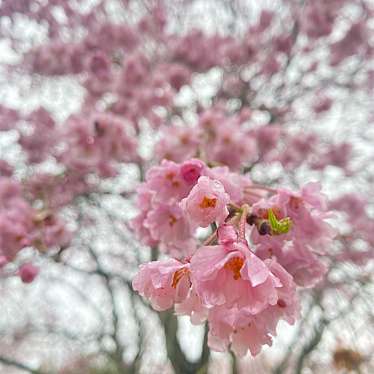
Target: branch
point(118, 354)
point(319, 330)
point(234, 363)
point(18, 365)
point(312, 344)
point(180, 363)
point(174, 351)
point(283, 364)
point(203, 362)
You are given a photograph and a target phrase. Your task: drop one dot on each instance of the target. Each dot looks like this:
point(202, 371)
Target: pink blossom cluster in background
point(23, 226)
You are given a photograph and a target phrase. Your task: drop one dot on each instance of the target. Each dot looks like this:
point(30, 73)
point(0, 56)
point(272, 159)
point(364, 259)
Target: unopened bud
point(28, 272)
point(251, 219)
point(264, 228)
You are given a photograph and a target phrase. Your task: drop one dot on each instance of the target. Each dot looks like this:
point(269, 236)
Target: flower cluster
point(22, 226)
point(96, 144)
point(30, 210)
point(253, 96)
point(176, 199)
point(217, 132)
point(214, 137)
point(242, 279)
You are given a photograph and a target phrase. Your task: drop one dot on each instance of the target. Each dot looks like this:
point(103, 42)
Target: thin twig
point(18, 365)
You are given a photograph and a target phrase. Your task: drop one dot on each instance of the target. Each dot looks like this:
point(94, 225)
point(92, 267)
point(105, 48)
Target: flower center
point(226, 140)
point(178, 275)
point(184, 139)
point(172, 220)
point(207, 202)
point(235, 264)
point(170, 177)
point(295, 202)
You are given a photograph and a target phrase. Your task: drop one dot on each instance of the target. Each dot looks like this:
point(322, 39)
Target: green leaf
point(279, 227)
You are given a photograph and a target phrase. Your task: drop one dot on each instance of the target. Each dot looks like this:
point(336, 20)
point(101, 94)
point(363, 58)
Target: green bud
point(279, 227)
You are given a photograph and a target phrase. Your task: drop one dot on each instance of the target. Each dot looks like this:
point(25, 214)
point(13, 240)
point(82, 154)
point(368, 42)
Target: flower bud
point(28, 272)
point(264, 228)
point(251, 219)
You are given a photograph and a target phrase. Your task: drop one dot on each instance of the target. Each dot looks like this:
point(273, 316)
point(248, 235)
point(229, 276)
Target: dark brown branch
point(180, 363)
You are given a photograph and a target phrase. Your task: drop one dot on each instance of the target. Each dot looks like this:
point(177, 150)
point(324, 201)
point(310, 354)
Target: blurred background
point(302, 69)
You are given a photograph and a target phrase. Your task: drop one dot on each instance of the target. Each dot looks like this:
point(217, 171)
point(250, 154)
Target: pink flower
point(248, 331)
point(177, 143)
point(304, 266)
point(99, 65)
point(307, 211)
point(265, 20)
point(3, 261)
point(267, 138)
point(242, 331)
point(16, 216)
point(144, 204)
point(28, 272)
point(167, 182)
point(192, 307)
point(51, 231)
point(297, 149)
point(354, 41)
point(135, 70)
point(142, 232)
point(161, 220)
point(270, 66)
point(284, 43)
point(39, 143)
point(97, 144)
point(322, 104)
point(8, 118)
point(206, 203)
point(163, 283)
point(233, 183)
point(5, 169)
point(191, 170)
point(230, 274)
point(227, 143)
point(352, 204)
point(58, 190)
point(317, 22)
point(227, 234)
point(297, 259)
point(338, 155)
point(167, 223)
point(224, 139)
point(178, 75)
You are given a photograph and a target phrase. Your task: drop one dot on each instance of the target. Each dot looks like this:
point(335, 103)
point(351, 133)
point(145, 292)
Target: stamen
point(178, 275)
point(208, 202)
point(184, 139)
point(235, 264)
point(170, 176)
point(172, 220)
point(295, 202)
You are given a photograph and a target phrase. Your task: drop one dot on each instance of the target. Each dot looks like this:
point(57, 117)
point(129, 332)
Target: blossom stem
point(210, 239)
point(234, 206)
point(243, 219)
